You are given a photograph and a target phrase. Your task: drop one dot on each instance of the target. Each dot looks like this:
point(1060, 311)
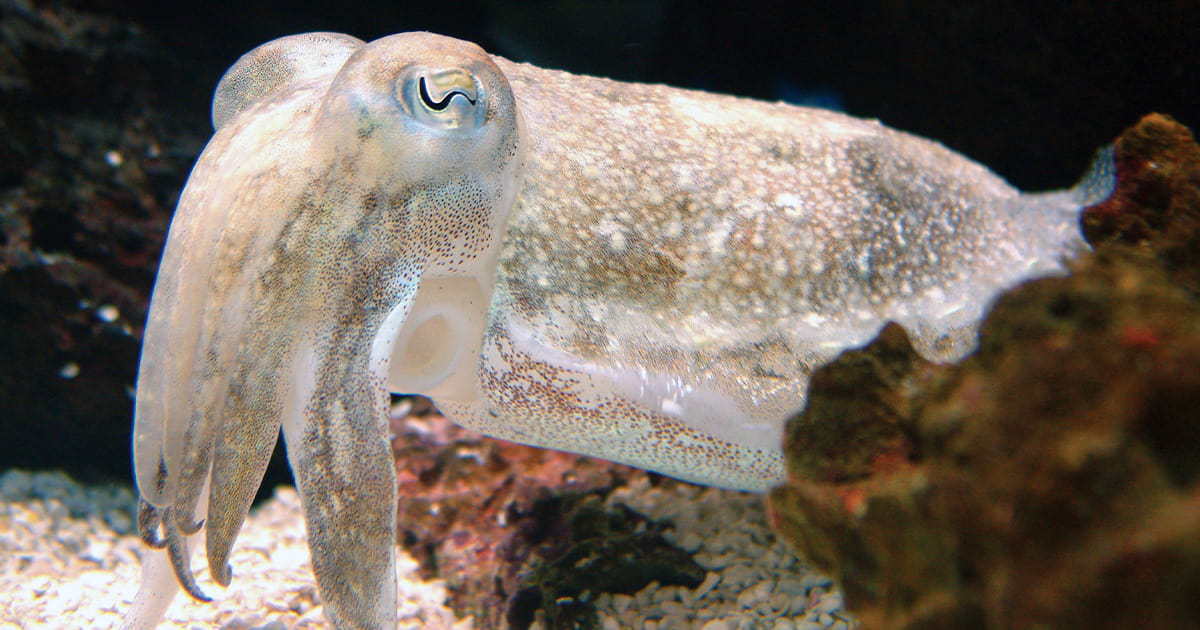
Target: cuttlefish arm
point(348, 186)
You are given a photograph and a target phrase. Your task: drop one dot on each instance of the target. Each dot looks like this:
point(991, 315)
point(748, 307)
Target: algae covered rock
point(1052, 479)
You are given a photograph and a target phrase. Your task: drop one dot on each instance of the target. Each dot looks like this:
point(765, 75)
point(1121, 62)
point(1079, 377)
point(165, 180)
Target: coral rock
point(1051, 479)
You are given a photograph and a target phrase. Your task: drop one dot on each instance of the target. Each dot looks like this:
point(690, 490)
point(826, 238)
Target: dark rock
point(1052, 479)
point(1157, 206)
point(90, 168)
point(585, 549)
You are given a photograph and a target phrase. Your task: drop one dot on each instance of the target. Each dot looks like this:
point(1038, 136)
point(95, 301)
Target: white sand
point(69, 559)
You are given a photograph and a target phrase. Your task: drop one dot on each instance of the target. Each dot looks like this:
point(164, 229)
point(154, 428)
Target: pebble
point(62, 566)
point(69, 558)
point(753, 580)
point(710, 581)
point(108, 313)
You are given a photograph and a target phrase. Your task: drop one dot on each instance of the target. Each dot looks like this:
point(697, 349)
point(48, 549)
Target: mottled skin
point(634, 272)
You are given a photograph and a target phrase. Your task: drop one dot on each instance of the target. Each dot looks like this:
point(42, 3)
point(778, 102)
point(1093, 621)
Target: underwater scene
point(563, 314)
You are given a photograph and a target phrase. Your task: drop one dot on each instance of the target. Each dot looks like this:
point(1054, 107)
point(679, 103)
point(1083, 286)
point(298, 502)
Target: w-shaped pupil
point(445, 102)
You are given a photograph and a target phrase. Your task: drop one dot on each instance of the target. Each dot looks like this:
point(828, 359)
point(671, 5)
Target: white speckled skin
point(634, 272)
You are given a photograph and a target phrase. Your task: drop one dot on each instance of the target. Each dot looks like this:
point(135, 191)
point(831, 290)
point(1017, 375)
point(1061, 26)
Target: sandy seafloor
point(69, 559)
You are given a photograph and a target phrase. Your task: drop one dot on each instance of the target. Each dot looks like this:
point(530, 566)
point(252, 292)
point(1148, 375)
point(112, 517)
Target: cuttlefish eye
point(443, 99)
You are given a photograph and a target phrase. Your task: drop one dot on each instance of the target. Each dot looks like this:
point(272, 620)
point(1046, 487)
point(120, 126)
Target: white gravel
point(69, 559)
point(754, 580)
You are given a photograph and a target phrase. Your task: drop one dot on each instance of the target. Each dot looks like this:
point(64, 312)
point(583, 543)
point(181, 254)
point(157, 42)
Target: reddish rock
point(1157, 205)
point(508, 526)
point(1052, 479)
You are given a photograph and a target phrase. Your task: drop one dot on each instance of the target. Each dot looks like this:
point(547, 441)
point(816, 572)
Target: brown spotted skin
point(633, 272)
point(677, 263)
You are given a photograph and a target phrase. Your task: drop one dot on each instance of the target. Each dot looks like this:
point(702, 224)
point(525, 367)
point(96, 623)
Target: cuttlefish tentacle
point(149, 519)
point(194, 323)
point(270, 77)
point(347, 184)
point(173, 432)
point(177, 548)
point(342, 458)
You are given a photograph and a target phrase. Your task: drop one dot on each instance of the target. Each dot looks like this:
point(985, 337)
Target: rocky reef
point(1052, 479)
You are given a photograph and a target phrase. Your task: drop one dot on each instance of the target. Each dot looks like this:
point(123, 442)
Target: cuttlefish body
point(634, 272)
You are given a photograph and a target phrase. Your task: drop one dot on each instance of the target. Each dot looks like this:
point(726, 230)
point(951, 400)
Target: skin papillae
point(628, 271)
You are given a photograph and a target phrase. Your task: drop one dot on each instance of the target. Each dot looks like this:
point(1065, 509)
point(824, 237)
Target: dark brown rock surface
point(1052, 479)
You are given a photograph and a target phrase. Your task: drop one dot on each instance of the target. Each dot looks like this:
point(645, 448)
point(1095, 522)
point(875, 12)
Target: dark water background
point(1029, 89)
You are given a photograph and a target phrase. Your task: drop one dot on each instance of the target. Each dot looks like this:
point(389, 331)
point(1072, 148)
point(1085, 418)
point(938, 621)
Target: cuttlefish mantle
point(633, 272)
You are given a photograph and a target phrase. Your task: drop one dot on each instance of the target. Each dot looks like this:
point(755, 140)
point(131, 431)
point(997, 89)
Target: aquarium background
point(104, 106)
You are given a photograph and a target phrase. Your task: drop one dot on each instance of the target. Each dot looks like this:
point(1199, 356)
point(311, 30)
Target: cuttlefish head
point(337, 238)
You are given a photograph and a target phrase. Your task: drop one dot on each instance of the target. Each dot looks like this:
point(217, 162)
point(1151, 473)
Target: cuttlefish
point(634, 272)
